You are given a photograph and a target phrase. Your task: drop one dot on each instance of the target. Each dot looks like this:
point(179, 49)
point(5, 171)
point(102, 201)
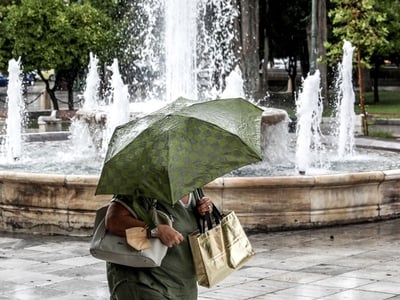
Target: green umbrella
point(185, 145)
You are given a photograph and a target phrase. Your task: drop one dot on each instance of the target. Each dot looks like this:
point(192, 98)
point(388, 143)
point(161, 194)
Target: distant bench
point(49, 123)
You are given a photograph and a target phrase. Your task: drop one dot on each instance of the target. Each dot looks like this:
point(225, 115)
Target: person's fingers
point(176, 240)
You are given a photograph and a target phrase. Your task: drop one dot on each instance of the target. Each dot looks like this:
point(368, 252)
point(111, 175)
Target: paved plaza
point(360, 261)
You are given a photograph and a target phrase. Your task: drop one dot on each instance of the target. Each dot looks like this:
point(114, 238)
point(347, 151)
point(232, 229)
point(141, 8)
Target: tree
point(360, 23)
point(288, 24)
point(55, 34)
point(249, 41)
point(321, 50)
point(5, 43)
point(264, 46)
point(85, 29)
point(391, 51)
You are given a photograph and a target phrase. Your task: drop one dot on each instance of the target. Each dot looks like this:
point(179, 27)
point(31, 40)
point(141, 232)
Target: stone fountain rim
point(66, 204)
point(228, 182)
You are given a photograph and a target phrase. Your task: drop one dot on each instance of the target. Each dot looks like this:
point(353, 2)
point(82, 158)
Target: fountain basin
point(271, 203)
point(48, 203)
point(66, 204)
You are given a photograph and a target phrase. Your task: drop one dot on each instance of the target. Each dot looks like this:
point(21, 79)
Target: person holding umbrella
point(175, 278)
point(164, 155)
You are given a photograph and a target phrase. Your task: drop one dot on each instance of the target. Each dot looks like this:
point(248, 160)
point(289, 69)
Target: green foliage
point(389, 103)
point(85, 29)
point(387, 97)
point(391, 50)
point(34, 44)
point(381, 134)
point(54, 34)
point(5, 44)
point(59, 35)
point(359, 22)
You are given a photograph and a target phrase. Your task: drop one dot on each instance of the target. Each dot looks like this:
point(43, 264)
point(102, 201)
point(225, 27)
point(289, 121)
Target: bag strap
point(202, 220)
point(198, 194)
point(138, 212)
point(127, 207)
point(144, 214)
point(215, 211)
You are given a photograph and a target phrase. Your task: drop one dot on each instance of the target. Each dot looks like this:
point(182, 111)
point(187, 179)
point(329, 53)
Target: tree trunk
point(67, 77)
point(367, 82)
point(70, 96)
point(292, 72)
point(250, 46)
point(321, 50)
point(264, 39)
point(361, 94)
point(376, 81)
point(52, 94)
point(306, 63)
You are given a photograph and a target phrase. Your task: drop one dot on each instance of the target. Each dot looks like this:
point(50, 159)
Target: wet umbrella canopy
point(181, 147)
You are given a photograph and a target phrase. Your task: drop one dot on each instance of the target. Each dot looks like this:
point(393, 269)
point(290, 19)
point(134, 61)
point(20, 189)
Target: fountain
point(16, 108)
point(309, 112)
point(91, 93)
point(65, 203)
point(118, 113)
point(345, 115)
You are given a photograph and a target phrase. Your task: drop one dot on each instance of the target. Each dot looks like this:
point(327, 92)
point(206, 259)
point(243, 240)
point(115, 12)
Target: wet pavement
point(359, 261)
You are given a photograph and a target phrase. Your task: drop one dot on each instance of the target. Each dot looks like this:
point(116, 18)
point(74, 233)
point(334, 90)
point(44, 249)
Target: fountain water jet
point(91, 93)
point(192, 61)
point(188, 55)
point(16, 112)
point(40, 152)
point(345, 114)
point(180, 46)
point(66, 204)
point(96, 121)
point(309, 112)
point(234, 85)
point(118, 113)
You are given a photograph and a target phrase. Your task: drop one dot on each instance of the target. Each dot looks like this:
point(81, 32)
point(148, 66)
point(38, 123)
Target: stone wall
point(58, 204)
point(52, 204)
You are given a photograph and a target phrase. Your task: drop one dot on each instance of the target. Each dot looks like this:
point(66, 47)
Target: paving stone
point(361, 262)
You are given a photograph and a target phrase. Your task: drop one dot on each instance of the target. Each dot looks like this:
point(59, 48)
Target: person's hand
point(168, 235)
point(204, 206)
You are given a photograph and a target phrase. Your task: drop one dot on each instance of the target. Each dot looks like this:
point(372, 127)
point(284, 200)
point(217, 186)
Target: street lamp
point(313, 54)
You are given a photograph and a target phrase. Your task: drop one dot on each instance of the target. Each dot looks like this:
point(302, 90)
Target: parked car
point(29, 79)
point(3, 80)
